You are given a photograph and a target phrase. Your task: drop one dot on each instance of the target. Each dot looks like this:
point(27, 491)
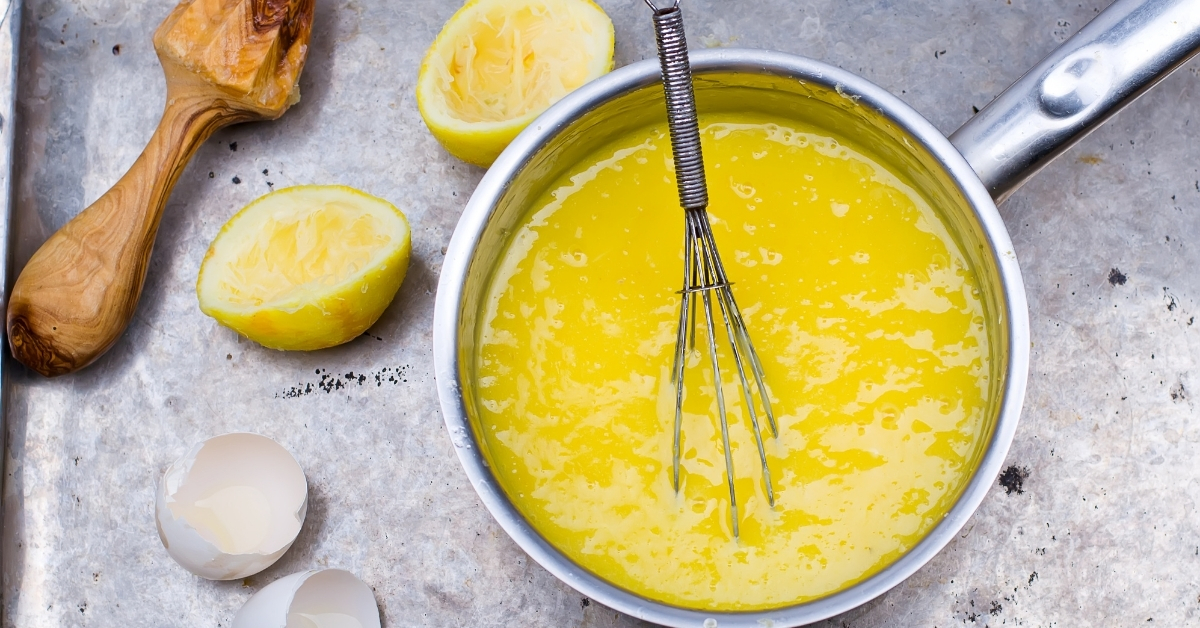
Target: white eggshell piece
point(232, 506)
point(311, 599)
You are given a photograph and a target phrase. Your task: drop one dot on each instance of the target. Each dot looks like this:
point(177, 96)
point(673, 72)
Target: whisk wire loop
point(681, 352)
point(724, 419)
point(724, 298)
point(744, 338)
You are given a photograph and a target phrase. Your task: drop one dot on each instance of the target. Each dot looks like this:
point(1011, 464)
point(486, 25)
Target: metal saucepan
point(1110, 62)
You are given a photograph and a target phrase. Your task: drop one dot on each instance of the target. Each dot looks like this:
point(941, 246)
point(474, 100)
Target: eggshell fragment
point(331, 598)
point(232, 506)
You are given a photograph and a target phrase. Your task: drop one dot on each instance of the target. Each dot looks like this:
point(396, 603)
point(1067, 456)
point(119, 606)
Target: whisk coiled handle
point(681, 106)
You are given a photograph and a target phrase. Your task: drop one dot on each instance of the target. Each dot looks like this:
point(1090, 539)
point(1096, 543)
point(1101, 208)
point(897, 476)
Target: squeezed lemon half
point(498, 64)
point(306, 267)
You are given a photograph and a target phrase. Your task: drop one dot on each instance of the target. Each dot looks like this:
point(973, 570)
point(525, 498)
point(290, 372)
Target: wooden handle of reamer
point(80, 290)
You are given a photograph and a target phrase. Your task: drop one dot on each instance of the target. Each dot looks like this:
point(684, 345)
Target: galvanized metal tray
point(1097, 515)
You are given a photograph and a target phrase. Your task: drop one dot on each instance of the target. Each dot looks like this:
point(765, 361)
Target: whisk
point(703, 274)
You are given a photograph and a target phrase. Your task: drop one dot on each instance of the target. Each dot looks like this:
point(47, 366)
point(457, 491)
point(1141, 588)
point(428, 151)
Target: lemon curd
point(869, 322)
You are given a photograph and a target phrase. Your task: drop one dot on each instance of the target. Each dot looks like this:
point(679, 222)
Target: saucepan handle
point(1124, 51)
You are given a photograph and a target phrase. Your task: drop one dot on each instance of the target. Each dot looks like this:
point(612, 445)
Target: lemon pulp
point(516, 61)
point(866, 315)
point(292, 254)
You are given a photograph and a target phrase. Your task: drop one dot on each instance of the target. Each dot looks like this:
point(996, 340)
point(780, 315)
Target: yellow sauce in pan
point(866, 315)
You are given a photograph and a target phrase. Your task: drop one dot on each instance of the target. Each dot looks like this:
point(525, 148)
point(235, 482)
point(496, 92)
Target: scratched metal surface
point(1104, 530)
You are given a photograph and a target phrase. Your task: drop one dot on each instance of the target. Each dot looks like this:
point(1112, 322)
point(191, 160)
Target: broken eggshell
point(232, 506)
point(331, 598)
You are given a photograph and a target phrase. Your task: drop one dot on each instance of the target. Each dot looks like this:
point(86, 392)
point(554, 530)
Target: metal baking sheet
point(1097, 519)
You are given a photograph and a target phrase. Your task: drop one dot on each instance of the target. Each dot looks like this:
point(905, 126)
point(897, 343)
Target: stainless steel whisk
point(703, 273)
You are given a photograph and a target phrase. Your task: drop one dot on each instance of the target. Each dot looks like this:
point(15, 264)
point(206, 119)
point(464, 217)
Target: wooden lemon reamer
point(225, 62)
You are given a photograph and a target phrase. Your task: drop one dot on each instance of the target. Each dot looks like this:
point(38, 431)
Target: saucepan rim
point(494, 185)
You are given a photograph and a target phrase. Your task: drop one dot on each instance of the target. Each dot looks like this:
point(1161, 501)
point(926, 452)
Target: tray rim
point(10, 45)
